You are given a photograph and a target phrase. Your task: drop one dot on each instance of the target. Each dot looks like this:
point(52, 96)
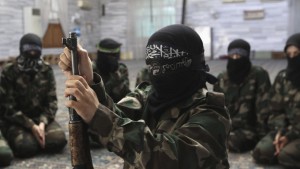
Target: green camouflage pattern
point(24, 144)
point(289, 155)
point(285, 117)
point(27, 101)
point(285, 106)
point(1, 107)
point(191, 134)
point(116, 83)
point(248, 107)
point(6, 155)
point(142, 76)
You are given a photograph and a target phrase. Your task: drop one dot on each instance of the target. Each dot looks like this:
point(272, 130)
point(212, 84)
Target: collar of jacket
point(175, 111)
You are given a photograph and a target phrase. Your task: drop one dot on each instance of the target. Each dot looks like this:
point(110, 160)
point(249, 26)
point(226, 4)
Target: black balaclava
point(29, 60)
point(293, 68)
point(108, 55)
point(174, 56)
point(238, 69)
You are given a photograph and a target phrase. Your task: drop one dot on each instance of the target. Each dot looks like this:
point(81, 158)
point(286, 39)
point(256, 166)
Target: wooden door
point(53, 36)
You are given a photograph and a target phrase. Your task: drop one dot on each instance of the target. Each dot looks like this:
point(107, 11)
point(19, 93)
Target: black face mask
point(293, 70)
point(238, 69)
point(173, 88)
point(29, 63)
point(175, 85)
point(107, 63)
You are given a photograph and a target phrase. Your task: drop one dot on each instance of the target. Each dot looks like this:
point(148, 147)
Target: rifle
point(78, 136)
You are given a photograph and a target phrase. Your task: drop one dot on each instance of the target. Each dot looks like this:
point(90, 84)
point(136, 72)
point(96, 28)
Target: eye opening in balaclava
point(293, 71)
point(175, 59)
point(29, 59)
point(108, 55)
point(238, 69)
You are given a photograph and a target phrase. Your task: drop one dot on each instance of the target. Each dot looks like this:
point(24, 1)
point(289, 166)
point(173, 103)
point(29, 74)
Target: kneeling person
point(30, 102)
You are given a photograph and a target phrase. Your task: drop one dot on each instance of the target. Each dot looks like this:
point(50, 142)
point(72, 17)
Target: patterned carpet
point(102, 159)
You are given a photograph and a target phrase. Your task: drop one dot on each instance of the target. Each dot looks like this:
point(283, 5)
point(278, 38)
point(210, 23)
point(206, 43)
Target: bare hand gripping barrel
point(78, 136)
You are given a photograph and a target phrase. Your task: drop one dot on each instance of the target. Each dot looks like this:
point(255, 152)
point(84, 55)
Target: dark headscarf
point(238, 69)
point(29, 59)
point(293, 68)
point(108, 55)
point(174, 56)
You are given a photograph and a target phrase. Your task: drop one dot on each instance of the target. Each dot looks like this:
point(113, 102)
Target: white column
point(294, 17)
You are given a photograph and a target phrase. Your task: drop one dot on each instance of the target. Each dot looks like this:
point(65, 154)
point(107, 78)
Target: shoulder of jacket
point(122, 65)
point(122, 68)
point(281, 76)
point(259, 72)
point(222, 75)
point(282, 73)
point(144, 69)
point(46, 64)
point(215, 98)
point(94, 67)
point(135, 99)
point(258, 69)
point(44, 61)
point(7, 67)
point(144, 86)
point(46, 67)
point(94, 64)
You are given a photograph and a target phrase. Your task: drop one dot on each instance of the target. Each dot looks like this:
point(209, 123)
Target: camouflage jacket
point(192, 134)
point(117, 83)
point(1, 107)
point(27, 101)
point(247, 102)
point(285, 106)
point(142, 75)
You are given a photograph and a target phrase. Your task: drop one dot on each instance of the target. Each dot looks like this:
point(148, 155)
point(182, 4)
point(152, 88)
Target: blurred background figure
point(113, 73)
point(6, 155)
point(282, 144)
point(142, 76)
point(30, 102)
point(246, 88)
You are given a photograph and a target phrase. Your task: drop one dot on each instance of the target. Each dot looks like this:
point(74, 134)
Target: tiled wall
point(95, 27)
point(226, 19)
point(11, 26)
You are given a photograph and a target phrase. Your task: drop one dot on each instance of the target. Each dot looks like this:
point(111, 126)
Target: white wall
point(226, 19)
point(94, 26)
point(11, 26)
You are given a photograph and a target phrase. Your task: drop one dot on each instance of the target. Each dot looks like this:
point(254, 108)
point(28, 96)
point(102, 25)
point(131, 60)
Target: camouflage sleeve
point(1, 107)
point(49, 106)
point(118, 84)
point(139, 146)
point(194, 143)
point(218, 85)
point(262, 99)
point(277, 117)
point(9, 104)
point(142, 75)
point(294, 132)
point(107, 101)
point(94, 67)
